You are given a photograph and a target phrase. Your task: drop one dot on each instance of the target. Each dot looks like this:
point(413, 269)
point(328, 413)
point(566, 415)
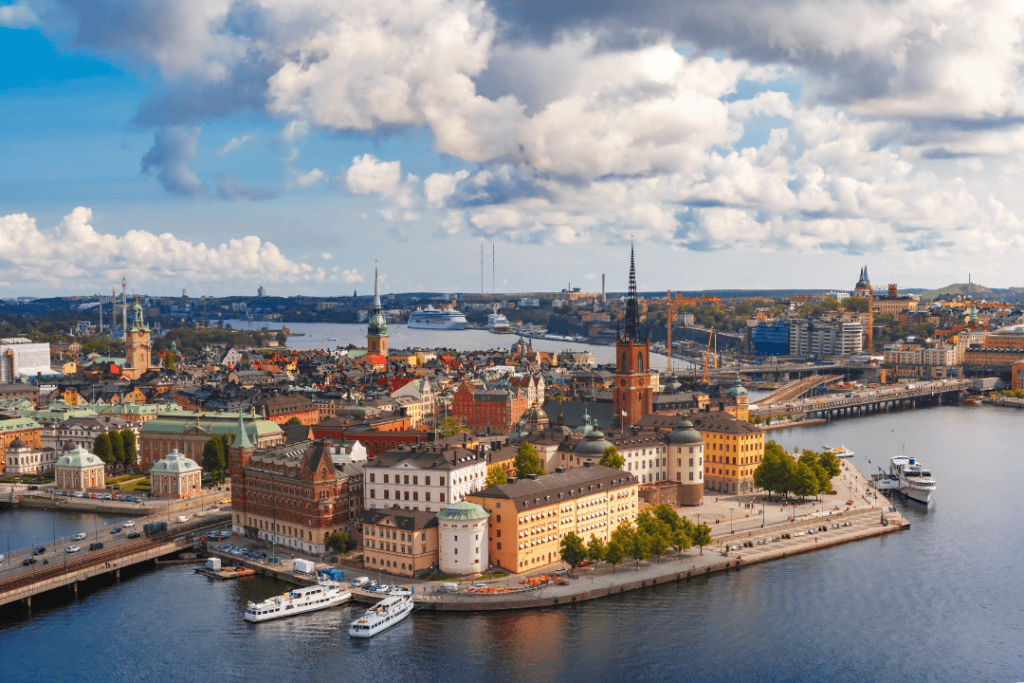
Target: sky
point(222, 145)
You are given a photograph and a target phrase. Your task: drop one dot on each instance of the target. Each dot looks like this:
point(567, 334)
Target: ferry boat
point(839, 451)
point(498, 323)
point(431, 318)
point(913, 480)
point(300, 601)
point(385, 614)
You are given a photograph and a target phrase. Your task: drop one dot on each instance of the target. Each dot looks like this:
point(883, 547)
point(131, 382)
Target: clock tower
point(377, 330)
point(634, 382)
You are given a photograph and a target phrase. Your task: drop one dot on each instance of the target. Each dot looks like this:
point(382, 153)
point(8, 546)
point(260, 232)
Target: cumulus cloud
point(18, 15)
point(75, 252)
point(308, 178)
point(174, 148)
point(235, 143)
point(367, 174)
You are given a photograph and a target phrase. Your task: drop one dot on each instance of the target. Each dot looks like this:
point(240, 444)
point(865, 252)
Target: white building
point(23, 459)
point(424, 477)
point(79, 470)
point(20, 357)
point(175, 476)
point(462, 539)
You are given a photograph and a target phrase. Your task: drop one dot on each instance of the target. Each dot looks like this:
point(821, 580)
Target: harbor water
point(939, 602)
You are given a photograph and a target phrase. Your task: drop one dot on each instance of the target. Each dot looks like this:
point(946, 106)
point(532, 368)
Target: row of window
point(415, 495)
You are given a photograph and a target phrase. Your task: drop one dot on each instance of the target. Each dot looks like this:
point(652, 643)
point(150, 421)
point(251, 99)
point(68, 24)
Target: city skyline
point(220, 146)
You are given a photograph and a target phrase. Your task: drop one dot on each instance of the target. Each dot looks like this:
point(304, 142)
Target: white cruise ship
point(385, 614)
point(915, 482)
point(431, 318)
point(498, 323)
point(839, 451)
point(310, 599)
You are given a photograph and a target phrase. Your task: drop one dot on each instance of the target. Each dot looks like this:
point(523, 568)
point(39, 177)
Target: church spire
point(376, 295)
point(632, 309)
point(243, 436)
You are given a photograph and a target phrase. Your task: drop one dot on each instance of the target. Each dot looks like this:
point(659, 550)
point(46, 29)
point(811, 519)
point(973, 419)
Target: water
point(940, 602)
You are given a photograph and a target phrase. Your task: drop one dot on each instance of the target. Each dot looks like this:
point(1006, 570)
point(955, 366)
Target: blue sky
point(219, 146)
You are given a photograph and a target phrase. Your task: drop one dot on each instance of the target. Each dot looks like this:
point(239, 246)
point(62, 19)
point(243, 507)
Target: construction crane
point(707, 356)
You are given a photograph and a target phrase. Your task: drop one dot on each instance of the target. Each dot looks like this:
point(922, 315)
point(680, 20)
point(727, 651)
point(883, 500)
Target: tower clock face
point(622, 382)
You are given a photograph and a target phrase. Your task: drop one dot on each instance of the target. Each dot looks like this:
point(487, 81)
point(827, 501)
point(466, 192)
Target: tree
point(294, 421)
point(213, 457)
point(528, 461)
point(102, 448)
point(701, 536)
point(611, 458)
point(131, 452)
point(338, 542)
point(614, 553)
point(496, 476)
point(776, 471)
point(116, 447)
point(449, 426)
point(634, 543)
point(169, 361)
point(804, 482)
point(812, 460)
point(596, 549)
point(830, 462)
point(572, 551)
point(282, 338)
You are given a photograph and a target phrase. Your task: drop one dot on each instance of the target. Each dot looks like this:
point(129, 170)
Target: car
point(28, 560)
point(79, 537)
point(129, 524)
point(96, 546)
point(116, 530)
point(134, 534)
point(107, 496)
point(224, 501)
point(39, 551)
point(72, 549)
point(33, 487)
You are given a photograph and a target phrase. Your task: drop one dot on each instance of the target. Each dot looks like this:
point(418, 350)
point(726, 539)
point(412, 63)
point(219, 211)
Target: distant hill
point(961, 288)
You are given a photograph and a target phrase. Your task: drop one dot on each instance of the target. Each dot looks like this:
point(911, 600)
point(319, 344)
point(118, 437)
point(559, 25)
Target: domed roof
point(535, 416)
point(462, 511)
point(684, 434)
point(79, 457)
point(175, 462)
point(17, 443)
point(673, 385)
point(594, 445)
point(736, 390)
point(587, 425)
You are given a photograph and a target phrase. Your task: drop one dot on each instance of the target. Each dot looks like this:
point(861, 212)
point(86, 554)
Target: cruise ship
point(385, 614)
point(300, 601)
point(498, 323)
point(431, 318)
point(914, 481)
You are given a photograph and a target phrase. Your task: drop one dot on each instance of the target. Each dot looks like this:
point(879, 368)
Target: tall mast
point(124, 301)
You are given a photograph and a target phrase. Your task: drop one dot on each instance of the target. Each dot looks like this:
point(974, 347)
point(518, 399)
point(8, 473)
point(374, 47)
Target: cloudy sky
point(220, 145)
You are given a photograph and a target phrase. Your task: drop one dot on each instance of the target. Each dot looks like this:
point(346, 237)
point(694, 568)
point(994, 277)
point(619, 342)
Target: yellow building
point(530, 517)
point(732, 451)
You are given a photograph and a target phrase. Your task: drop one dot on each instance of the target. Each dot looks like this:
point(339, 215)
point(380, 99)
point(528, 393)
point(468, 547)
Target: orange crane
point(707, 356)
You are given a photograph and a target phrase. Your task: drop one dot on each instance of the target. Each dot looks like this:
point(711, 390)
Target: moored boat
point(915, 482)
point(431, 318)
point(299, 601)
point(385, 614)
point(839, 451)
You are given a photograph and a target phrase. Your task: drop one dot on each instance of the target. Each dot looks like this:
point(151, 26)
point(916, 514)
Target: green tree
point(131, 452)
point(528, 461)
point(294, 421)
point(611, 458)
point(169, 361)
point(282, 338)
point(225, 441)
point(116, 447)
point(775, 473)
point(804, 482)
point(701, 536)
point(614, 554)
point(856, 304)
point(830, 462)
point(213, 457)
point(449, 426)
point(338, 542)
point(634, 543)
point(496, 476)
point(102, 448)
point(572, 551)
point(812, 460)
point(596, 549)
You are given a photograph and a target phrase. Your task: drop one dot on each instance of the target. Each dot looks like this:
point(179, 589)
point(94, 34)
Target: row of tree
point(116, 448)
point(807, 476)
point(215, 459)
point(656, 531)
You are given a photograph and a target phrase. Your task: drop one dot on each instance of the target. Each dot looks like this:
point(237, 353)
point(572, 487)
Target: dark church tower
point(634, 383)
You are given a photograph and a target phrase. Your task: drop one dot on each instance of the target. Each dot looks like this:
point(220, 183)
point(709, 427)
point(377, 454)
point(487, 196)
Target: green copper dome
point(736, 390)
point(463, 511)
point(684, 434)
point(594, 445)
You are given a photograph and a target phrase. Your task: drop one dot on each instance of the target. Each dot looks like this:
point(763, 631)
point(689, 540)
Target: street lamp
point(730, 519)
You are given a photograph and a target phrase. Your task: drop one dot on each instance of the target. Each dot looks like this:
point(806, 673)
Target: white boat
point(431, 318)
point(498, 323)
point(385, 614)
point(300, 601)
point(914, 480)
point(839, 451)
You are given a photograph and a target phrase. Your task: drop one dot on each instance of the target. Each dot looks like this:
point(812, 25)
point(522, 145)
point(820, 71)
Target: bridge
point(800, 387)
point(884, 398)
point(74, 568)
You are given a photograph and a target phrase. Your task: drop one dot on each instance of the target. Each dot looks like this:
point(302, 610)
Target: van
point(449, 588)
point(182, 518)
point(360, 582)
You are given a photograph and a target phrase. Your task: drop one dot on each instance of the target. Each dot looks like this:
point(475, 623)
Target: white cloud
point(75, 252)
point(18, 15)
point(326, 256)
point(235, 143)
point(307, 179)
point(367, 175)
point(351, 276)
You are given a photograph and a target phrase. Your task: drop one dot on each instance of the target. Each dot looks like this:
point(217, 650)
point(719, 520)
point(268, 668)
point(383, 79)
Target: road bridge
point(884, 398)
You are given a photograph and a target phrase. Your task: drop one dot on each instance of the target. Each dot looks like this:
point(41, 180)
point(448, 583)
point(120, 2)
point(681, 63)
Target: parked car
point(72, 549)
point(224, 501)
point(128, 524)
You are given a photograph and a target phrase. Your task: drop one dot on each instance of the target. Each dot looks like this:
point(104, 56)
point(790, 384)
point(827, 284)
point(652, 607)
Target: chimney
point(513, 480)
point(559, 470)
point(532, 477)
point(587, 463)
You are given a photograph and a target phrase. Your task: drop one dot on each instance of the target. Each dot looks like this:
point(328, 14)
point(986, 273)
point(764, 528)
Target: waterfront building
point(462, 539)
point(377, 328)
point(290, 495)
point(423, 477)
point(402, 542)
point(686, 462)
point(23, 429)
point(79, 470)
point(20, 459)
point(530, 517)
point(634, 382)
point(80, 432)
point(770, 338)
point(733, 449)
point(825, 337)
point(175, 476)
point(1017, 376)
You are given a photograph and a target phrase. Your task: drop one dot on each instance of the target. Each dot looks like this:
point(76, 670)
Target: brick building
point(493, 411)
point(281, 409)
point(188, 432)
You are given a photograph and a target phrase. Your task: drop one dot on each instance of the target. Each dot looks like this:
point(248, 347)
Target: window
point(372, 477)
point(407, 480)
point(499, 519)
point(440, 481)
point(426, 481)
point(442, 496)
point(499, 545)
point(373, 493)
point(385, 478)
point(386, 492)
point(427, 496)
point(415, 480)
point(498, 534)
